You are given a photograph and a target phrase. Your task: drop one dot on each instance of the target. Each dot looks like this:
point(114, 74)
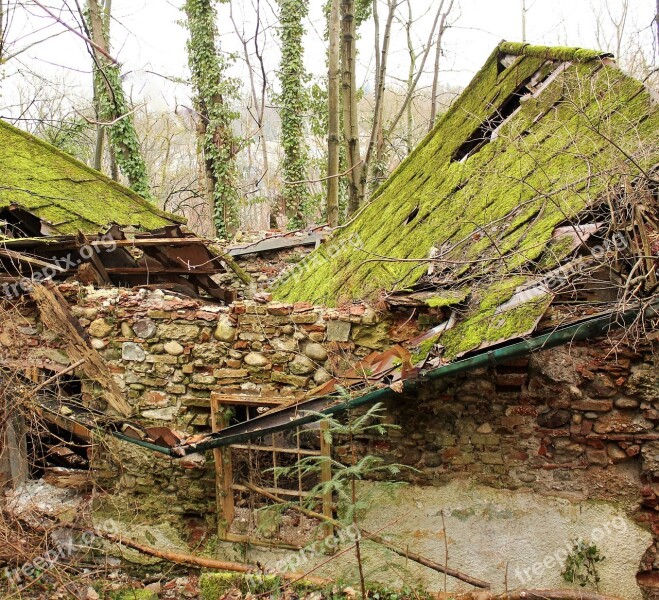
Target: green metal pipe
point(149, 445)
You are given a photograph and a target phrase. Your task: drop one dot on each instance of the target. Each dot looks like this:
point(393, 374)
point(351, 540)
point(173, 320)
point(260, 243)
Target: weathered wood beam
point(55, 314)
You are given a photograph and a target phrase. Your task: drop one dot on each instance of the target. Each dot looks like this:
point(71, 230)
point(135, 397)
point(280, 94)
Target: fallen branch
point(378, 540)
point(190, 560)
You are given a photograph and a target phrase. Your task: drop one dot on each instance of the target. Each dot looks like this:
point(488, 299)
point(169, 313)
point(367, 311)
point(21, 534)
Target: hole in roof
point(487, 130)
point(505, 60)
point(411, 216)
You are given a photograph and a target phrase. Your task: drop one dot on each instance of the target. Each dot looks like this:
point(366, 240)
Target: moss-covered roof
point(66, 193)
point(487, 205)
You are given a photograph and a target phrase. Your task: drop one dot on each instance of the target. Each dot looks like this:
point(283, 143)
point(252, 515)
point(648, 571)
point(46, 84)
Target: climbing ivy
point(293, 104)
point(214, 91)
point(113, 108)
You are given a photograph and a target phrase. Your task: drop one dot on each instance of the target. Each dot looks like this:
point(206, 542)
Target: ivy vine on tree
point(293, 102)
point(112, 107)
point(213, 92)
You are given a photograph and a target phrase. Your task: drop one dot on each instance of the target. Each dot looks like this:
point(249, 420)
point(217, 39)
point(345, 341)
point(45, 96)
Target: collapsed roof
point(64, 194)
point(546, 151)
point(53, 208)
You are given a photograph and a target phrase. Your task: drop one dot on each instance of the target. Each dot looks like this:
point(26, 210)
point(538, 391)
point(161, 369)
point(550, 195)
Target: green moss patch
point(65, 192)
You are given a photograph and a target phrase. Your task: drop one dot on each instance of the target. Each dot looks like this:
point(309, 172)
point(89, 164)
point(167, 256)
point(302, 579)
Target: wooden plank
point(325, 476)
point(55, 314)
point(94, 259)
point(245, 400)
point(260, 448)
point(29, 260)
point(223, 476)
point(168, 270)
point(276, 243)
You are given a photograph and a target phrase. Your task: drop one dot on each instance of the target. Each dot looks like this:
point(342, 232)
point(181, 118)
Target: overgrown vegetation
point(581, 565)
point(214, 92)
point(293, 102)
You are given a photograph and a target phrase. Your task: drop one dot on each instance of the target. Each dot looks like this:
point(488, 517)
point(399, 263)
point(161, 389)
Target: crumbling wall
point(565, 432)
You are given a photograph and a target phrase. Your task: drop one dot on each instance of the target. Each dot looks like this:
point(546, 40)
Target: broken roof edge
point(146, 204)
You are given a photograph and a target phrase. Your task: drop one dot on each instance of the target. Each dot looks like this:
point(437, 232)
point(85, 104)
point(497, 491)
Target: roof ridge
point(553, 52)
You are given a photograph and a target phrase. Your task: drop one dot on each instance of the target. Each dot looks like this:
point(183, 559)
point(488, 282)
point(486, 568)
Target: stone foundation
point(523, 455)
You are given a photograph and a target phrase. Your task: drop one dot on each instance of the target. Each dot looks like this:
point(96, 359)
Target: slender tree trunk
point(410, 77)
point(113, 107)
point(435, 77)
point(100, 130)
point(523, 20)
point(350, 114)
point(376, 142)
point(424, 57)
point(333, 140)
point(656, 21)
point(258, 99)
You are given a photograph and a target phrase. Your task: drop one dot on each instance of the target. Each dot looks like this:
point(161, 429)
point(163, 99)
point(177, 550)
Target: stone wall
point(568, 429)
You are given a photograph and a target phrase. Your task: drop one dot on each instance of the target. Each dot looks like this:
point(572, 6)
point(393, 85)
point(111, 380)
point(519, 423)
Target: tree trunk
point(333, 140)
point(376, 142)
point(350, 114)
point(409, 144)
point(112, 105)
point(215, 117)
point(293, 106)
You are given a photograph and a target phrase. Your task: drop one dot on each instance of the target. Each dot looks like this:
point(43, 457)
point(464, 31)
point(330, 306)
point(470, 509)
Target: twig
point(110, 123)
point(73, 30)
point(48, 381)
point(324, 178)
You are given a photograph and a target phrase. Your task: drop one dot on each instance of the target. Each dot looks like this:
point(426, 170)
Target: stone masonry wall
point(578, 422)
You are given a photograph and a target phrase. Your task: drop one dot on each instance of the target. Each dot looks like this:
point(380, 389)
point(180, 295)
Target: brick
point(491, 458)
point(203, 379)
point(479, 439)
point(593, 405)
point(304, 318)
point(230, 373)
point(278, 309)
point(153, 398)
point(294, 380)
